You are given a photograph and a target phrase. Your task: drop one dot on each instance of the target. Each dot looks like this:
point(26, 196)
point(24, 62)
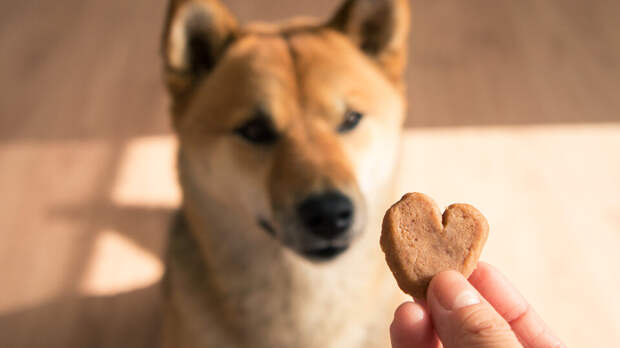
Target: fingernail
point(466, 298)
point(453, 291)
point(409, 312)
point(417, 314)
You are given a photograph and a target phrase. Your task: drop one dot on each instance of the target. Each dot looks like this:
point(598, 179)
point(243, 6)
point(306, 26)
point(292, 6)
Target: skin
point(500, 318)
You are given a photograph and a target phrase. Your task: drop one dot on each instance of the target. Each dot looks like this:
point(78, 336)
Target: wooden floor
point(514, 107)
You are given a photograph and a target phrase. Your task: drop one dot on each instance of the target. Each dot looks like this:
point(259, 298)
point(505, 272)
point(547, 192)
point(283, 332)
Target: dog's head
point(294, 126)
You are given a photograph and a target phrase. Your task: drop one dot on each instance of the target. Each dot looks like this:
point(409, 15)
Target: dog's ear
point(196, 34)
point(380, 28)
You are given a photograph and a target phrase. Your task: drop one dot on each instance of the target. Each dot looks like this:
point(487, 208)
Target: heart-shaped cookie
point(419, 242)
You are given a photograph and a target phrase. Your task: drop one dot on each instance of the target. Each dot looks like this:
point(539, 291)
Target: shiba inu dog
point(288, 139)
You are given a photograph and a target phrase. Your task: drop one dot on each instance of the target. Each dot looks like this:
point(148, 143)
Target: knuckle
point(478, 324)
point(480, 319)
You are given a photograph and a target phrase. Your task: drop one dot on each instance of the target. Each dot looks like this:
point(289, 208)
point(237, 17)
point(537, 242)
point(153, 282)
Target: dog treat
point(419, 242)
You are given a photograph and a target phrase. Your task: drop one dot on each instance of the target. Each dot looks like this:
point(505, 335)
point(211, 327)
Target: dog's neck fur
point(272, 297)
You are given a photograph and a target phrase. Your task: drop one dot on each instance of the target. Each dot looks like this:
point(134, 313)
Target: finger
point(462, 318)
point(412, 328)
point(512, 306)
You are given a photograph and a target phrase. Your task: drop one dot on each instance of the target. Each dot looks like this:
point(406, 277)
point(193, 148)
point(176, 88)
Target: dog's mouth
point(267, 226)
point(323, 251)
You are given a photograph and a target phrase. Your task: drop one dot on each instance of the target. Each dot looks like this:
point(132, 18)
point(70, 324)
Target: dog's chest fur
point(280, 302)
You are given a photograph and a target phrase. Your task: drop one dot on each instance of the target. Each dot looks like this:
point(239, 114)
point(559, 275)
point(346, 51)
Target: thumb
point(462, 318)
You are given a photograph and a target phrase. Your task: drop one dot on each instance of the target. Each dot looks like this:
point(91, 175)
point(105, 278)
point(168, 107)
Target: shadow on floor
point(130, 319)
point(145, 226)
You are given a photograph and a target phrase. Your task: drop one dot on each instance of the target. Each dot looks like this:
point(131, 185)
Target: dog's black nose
point(328, 215)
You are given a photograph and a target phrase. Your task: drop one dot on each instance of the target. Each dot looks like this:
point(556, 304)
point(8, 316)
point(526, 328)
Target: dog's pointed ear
point(380, 28)
point(196, 34)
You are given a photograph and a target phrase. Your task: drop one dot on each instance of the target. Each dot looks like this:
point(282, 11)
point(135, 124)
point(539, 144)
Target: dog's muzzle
point(320, 227)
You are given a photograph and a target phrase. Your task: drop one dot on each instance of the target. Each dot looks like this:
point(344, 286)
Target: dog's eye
point(351, 120)
point(258, 130)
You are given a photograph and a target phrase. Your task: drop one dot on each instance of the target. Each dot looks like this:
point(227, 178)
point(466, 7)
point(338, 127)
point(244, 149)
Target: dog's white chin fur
point(320, 304)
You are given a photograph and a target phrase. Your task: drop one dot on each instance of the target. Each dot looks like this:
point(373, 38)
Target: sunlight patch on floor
point(147, 174)
point(118, 265)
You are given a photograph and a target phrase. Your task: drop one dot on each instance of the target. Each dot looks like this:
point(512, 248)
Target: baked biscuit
point(419, 242)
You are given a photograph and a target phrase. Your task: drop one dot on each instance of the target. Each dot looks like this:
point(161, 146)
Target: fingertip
point(482, 272)
point(440, 280)
point(446, 287)
point(484, 265)
point(408, 316)
point(411, 326)
point(513, 307)
point(500, 292)
point(407, 310)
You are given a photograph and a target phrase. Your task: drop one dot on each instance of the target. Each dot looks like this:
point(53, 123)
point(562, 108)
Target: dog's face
point(295, 126)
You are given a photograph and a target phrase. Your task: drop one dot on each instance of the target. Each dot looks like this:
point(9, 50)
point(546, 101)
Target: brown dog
point(288, 140)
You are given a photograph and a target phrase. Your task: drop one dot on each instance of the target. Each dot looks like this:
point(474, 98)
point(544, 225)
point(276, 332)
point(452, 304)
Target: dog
point(288, 141)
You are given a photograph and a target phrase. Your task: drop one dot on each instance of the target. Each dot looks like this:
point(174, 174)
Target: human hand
point(486, 312)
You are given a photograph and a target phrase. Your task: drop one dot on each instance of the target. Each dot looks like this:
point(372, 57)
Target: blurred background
point(514, 107)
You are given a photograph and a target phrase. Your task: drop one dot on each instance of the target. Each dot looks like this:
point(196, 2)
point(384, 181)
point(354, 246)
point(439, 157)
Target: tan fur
point(229, 283)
